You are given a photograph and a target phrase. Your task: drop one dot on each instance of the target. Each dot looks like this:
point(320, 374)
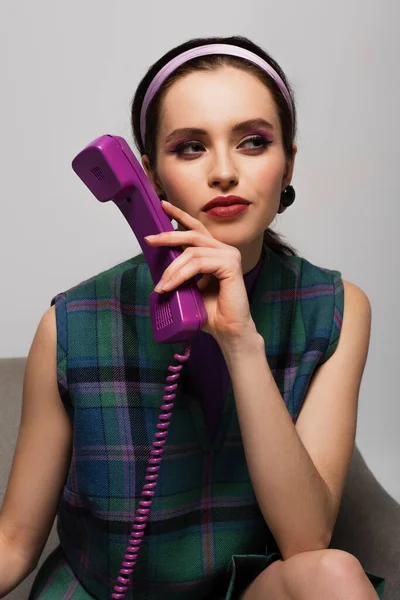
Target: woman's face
point(193, 168)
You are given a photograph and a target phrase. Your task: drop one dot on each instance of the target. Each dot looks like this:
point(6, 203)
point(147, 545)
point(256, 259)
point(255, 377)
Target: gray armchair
point(368, 524)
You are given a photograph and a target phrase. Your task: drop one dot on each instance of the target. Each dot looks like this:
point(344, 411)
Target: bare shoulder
point(47, 324)
point(356, 325)
point(41, 361)
point(355, 294)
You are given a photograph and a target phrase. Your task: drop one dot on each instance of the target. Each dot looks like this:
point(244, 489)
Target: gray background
point(68, 73)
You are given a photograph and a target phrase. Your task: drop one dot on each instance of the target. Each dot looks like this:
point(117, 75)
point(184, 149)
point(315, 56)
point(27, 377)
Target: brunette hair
point(272, 239)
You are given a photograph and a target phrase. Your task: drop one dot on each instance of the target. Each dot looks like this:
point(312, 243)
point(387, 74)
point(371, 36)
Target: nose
point(223, 171)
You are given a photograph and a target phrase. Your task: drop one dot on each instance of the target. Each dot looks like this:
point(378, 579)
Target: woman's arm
point(41, 459)
point(299, 500)
point(14, 567)
point(291, 494)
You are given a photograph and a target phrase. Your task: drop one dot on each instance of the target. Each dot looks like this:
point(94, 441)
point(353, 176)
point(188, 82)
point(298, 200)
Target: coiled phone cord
point(142, 512)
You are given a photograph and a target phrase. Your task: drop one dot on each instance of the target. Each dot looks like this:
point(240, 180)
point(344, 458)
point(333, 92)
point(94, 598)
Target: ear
point(149, 173)
point(287, 178)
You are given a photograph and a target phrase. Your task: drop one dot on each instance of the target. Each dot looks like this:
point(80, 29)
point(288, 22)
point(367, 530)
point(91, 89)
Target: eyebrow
point(237, 128)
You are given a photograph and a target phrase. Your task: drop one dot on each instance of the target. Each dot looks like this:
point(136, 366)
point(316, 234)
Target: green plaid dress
point(205, 536)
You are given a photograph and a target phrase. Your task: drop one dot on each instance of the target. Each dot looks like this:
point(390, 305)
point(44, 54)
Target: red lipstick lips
point(224, 201)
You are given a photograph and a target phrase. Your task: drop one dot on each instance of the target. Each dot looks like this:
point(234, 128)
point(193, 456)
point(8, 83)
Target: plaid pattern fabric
point(111, 373)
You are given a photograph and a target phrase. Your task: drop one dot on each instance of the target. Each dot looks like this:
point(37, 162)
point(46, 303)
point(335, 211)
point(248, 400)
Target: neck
point(251, 255)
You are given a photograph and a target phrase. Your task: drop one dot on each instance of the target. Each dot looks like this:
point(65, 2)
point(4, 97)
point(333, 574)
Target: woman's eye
point(181, 147)
point(261, 141)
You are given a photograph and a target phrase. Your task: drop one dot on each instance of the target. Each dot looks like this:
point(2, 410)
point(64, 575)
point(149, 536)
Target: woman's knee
point(340, 566)
point(308, 575)
point(327, 573)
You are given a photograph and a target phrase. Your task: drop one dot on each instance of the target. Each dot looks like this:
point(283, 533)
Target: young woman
point(264, 420)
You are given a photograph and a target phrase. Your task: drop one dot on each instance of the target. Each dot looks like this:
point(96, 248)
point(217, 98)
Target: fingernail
point(159, 286)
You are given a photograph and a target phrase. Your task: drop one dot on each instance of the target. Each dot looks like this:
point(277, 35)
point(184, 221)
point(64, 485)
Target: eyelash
point(264, 144)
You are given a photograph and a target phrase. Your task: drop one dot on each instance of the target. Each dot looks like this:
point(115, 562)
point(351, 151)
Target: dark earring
point(287, 198)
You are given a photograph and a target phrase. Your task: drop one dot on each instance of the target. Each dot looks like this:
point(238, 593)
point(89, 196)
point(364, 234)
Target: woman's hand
point(222, 286)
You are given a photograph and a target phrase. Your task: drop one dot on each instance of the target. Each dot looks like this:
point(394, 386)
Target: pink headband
point(202, 51)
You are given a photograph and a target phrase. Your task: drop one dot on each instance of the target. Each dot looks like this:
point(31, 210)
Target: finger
point(212, 263)
point(172, 280)
point(183, 217)
point(228, 259)
point(180, 238)
point(183, 259)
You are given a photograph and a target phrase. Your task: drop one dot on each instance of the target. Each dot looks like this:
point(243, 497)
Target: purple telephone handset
point(111, 171)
